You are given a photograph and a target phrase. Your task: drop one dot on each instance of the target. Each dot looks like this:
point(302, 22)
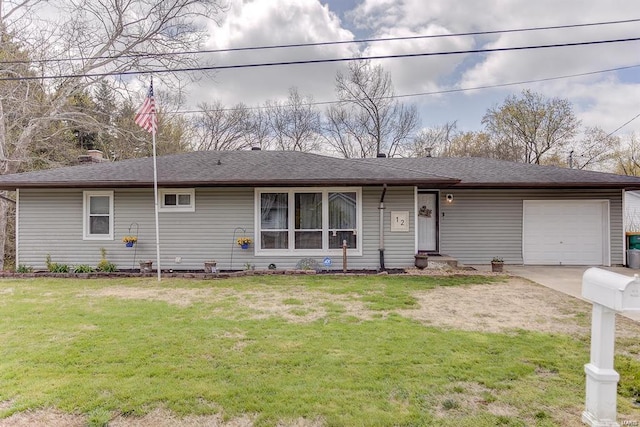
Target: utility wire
point(329, 43)
point(319, 61)
point(623, 125)
point(438, 92)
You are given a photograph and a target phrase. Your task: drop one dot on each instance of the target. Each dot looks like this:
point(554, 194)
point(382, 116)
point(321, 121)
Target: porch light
point(449, 198)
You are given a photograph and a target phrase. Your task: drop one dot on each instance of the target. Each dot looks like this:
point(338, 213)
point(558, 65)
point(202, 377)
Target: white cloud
point(599, 99)
point(267, 22)
point(605, 100)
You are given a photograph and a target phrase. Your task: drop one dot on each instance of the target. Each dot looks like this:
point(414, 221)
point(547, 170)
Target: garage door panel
point(565, 232)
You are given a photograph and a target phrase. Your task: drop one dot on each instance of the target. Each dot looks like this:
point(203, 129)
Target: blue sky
point(605, 100)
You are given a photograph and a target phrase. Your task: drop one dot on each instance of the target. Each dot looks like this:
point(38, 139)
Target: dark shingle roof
point(289, 168)
point(475, 172)
point(224, 168)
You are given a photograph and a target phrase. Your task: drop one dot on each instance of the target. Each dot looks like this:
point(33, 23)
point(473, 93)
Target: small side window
point(177, 200)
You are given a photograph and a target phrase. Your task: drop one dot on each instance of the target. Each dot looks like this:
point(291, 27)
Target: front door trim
point(435, 215)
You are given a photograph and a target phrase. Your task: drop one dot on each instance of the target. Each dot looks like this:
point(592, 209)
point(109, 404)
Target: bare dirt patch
point(166, 418)
point(155, 418)
point(513, 304)
point(43, 418)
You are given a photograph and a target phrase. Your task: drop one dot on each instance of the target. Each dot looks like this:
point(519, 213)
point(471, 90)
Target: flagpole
point(155, 197)
point(146, 118)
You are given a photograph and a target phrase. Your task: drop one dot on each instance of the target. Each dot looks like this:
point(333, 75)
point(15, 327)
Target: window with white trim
point(308, 220)
point(177, 200)
point(98, 215)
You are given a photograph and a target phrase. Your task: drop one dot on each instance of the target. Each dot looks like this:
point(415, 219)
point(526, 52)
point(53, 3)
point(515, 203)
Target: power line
point(447, 91)
point(546, 79)
point(320, 61)
point(623, 125)
point(329, 43)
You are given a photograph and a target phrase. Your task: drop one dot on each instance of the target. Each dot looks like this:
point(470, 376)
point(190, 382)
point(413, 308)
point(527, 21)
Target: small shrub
point(104, 264)
point(24, 269)
point(54, 267)
point(83, 268)
point(58, 268)
point(308, 264)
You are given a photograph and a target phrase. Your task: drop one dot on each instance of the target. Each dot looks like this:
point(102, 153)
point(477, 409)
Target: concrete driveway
point(565, 279)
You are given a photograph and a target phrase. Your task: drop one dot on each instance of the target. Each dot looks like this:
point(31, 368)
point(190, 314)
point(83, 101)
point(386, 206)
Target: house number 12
point(400, 221)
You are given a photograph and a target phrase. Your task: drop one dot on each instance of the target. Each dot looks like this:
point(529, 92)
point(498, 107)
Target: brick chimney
point(92, 156)
point(96, 155)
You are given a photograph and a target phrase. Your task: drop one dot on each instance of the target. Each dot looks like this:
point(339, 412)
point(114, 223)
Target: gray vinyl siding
point(477, 226)
point(481, 224)
point(399, 246)
point(50, 222)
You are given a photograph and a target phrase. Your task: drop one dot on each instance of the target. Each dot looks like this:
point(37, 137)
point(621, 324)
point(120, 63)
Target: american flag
point(146, 114)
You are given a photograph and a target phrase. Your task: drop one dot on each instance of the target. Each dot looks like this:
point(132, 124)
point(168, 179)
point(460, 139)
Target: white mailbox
point(612, 290)
point(610, 293)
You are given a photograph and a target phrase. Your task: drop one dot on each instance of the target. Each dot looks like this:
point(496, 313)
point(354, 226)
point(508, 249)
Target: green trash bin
point(633, 241)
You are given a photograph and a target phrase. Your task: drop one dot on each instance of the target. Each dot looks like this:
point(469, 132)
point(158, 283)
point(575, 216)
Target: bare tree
point(218, 128)
point(258, 133)
point(338, 135)
point(594, 149)
point(88, 38)
point(434, 141)
point(368, 112)
point(294, 123)
point(526, 127)
point(472, 144)
point(627, 156)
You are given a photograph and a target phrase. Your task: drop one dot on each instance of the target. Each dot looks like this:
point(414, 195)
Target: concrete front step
point(444, 259)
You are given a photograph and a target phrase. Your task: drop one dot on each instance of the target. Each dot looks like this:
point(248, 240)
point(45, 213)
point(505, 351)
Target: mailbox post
point(610, 293)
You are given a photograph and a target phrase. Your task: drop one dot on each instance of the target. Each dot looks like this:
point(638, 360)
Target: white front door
point(427, 222)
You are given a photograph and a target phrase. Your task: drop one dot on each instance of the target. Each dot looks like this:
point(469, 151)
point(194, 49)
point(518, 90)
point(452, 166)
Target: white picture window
point(98, 215)
point(308, 221)
point(177, 200)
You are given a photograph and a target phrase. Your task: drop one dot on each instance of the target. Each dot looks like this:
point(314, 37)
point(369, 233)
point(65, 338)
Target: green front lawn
point(108, 347)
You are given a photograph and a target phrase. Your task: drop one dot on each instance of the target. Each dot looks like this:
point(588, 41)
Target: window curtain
point(308, 211)
point(308, 224)
point(274, 211)
point(274, 215)
point(342, 211)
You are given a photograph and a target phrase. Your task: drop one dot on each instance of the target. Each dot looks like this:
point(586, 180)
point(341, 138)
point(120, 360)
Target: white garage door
point(565, 232)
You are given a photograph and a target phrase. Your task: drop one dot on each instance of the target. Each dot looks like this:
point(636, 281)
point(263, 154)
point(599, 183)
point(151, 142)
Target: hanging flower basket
point(244, 242)
point(129, 241)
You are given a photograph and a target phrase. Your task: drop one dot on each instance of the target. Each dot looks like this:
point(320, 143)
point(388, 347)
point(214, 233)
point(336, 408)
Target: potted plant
point(129, 241)
point(146, 266)
point(497, 264)
point(210, 266)
point(244, 242)
point(422, 260)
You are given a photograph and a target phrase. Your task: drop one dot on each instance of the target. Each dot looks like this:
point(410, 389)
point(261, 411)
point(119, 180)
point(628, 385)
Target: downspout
point(381, 209)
